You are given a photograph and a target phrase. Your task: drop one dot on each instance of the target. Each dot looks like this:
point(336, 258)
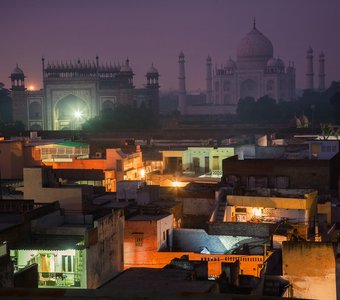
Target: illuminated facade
point(77, 91)
point(197, 160)
point(69, 249)
point(116, 166)
point(297, 207)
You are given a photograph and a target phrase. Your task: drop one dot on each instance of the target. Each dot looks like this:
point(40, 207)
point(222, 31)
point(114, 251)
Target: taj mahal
point(255, 73)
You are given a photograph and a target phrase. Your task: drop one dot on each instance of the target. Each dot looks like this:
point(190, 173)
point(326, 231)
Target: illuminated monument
point(77, 91)
point(255, 73)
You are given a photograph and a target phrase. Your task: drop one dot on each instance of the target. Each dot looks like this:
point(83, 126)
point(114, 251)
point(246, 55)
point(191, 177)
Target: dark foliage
point(319, 107)
point(123, 117)
point(11, 129)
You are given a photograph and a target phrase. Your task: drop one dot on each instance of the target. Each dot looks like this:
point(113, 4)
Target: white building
point(255, 73)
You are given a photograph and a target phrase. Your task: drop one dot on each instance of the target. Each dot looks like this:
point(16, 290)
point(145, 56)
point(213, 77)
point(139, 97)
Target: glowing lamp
point(78, 114)
point(257, 212)
point(142, 173)
point(176, 184)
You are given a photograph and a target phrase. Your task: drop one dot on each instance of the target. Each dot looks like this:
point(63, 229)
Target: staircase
point(221, 205)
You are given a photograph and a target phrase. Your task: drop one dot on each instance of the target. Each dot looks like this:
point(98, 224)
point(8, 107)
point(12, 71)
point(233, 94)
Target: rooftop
point(148, 217)
point(197, 240)
point(172, 281)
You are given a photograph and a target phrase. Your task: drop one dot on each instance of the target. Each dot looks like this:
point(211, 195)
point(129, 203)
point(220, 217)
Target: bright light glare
point(78, 114)
point(176, 184)
point(142, 173)
point(31, 88)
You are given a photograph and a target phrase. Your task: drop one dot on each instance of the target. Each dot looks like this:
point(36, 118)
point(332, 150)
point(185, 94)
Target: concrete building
point(111, 168)
point(196, 160)
point(323, 149)
point(282, 173)
point(41, 185)
point(296, 207)
point(76, 91)
point(145, 235)
point(79, 251)
point(311, 269)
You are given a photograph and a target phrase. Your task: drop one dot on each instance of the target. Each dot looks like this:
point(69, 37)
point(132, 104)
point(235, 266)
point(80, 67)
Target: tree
point(335, 102)
point(123, 117)
point(267, 109)
point(245, 109)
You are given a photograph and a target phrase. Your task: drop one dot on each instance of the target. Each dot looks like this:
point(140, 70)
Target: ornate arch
point(70, 112)
point(248, 88)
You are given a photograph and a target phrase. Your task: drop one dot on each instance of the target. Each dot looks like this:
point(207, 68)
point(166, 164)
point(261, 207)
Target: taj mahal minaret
point(181, 84)
point(209, 80)
point(322, 71)
point(309, 73)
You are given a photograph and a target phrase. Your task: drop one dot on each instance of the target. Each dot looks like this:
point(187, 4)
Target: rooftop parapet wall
point(261, 230)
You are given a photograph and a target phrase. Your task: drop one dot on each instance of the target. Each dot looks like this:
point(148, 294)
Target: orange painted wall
point(146, 254)
point(249, 264)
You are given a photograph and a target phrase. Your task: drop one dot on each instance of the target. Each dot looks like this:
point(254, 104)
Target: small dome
point(181, 54)
point(310, 49)
point(152, 70)
point(275, 63)
point(17, 71)
point(280, 63)
point(230, 64)
point(126, 67)
point(271, 62)
point(255, 45)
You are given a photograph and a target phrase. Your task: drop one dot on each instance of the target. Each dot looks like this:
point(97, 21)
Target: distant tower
point(126, 74)
point(19, 99)
point(322, 71)
point(181, 84)
point(309, 74)
point(152, 78)
point(17, 79)
point(209, 80)
point(153, 89)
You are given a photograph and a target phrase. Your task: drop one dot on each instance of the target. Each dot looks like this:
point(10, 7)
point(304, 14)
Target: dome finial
point(254, 23)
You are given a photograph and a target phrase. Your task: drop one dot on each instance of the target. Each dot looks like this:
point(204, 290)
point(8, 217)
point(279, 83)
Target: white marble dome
point(255, 45)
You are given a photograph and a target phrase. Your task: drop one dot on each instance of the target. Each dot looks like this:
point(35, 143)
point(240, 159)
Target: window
point(139, 241)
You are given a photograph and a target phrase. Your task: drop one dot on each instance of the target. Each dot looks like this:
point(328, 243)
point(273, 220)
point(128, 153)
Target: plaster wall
point(105, 259)
point(310, 267)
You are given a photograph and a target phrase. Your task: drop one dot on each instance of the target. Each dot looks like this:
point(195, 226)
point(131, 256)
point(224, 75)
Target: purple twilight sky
point(154, 31)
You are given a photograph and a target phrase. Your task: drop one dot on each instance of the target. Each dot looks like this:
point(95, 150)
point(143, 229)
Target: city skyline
point(156, 31)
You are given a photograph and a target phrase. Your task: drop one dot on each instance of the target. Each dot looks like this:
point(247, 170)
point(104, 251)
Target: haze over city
point(156, 31)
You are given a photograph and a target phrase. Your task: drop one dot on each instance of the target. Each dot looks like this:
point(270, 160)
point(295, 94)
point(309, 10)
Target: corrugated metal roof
point(72, 144)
